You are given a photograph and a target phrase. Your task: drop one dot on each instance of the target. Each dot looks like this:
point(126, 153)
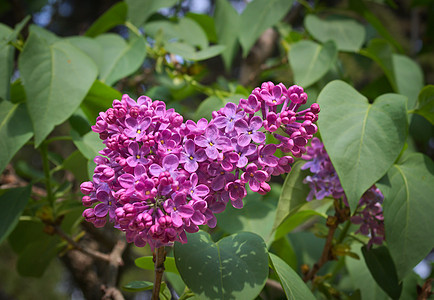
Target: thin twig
point(159, 258)
point(326, 253)
point(75, 245)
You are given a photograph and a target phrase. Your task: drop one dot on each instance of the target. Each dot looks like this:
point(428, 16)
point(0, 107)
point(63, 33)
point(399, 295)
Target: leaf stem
point(59, 138)
point(159, 258)
point(46, 166)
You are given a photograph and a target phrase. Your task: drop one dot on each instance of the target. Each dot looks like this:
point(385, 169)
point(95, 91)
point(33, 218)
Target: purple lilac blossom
point(325, 183)
point(160, 177)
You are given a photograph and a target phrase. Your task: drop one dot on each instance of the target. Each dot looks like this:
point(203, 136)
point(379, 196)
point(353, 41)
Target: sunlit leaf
point(57, 77)
point(362, 139)
point(238, 265)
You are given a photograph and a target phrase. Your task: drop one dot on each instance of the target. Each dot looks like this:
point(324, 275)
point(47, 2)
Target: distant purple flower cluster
point(325, 183)
point(160, 177)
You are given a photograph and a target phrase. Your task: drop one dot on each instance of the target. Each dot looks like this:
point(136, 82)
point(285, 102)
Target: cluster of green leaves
point(366, 133)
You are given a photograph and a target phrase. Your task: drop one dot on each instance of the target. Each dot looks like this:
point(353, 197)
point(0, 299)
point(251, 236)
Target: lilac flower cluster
point(325, 183)
point(160, 177)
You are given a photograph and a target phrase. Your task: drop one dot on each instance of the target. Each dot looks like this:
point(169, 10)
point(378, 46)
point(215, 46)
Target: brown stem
point(90, 252)
point(425, 292)
point(332, 223)
point(159, 258)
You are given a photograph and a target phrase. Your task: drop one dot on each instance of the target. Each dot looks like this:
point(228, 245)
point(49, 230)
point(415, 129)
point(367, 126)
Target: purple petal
point(241, 126)
point(256, 123)
point(211, 152)
point(244, 140)
point(176, 218)
point(191, 166)
point(185, 211)
point(131, 123)
point(261, 176)
point(238, 203)
point(170, 162)
point(258, 137)
point(198, 218)
point(242, 162)
point(254, 185)
point(220, 121)
point(155, 170)
point(133, 148)
point(201, 190)
point(126, 181)
point(101, 210)
point(218, 183)
point(132, 161)
point(201, 141)
point(189, 147)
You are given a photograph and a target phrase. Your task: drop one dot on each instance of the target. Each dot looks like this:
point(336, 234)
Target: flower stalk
point(159, 258)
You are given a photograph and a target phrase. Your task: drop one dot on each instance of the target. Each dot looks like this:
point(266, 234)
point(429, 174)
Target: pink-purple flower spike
point(324, 182)
point(160, 177)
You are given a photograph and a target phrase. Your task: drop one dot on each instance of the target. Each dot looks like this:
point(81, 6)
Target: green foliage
point(347, 34)
point(146, 262)
point(382, 268)
point(363, 140)
point(12, 204)
point(425, 103)
point(47, 71)
point(257, 17)
point(311, 61)
point(408, 208)
point(292, 284)
point(242, 256)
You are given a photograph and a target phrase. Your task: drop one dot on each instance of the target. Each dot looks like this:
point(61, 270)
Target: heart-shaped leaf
point(236, 267)
point(362, 139)
point(56, 78)
point(137, 286)
point(292, 284)
point(347, 34)
point(139, 11)
point(310, 61)
point(188, 52)
point(408, 210)
point(115, 15)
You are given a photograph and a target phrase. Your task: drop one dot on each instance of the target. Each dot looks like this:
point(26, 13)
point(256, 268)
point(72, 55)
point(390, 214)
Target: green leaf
point(294, 194)
point(44, 34)
point(36, 256)
point(347, 34)
point(89, 46)
point(185, 30)
point(147, 263)
point(12, 204)
point(380, 51)
point(236, 267)
point(137, 286)
point(88, 144)
point(15, 130)
point(409, 78)
point(119, 58)
point(311, 61)
point(425, 103)
point(382, 268)
point(408, 206)
point(363, 140)
point(57, 77)
point(292, 284)
point(77, 164)
point(139, 11)
point(283, 248)
point(296, 220)
point(362, 278)
point(6, 61)
point(256, 216)
point(116, 15)
point(25, 233)
point(258, 16)
point(188, 52)
point(207, 106)
point(360, 8)
point(227, 22)
point(207, 24)
point(99, 98)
